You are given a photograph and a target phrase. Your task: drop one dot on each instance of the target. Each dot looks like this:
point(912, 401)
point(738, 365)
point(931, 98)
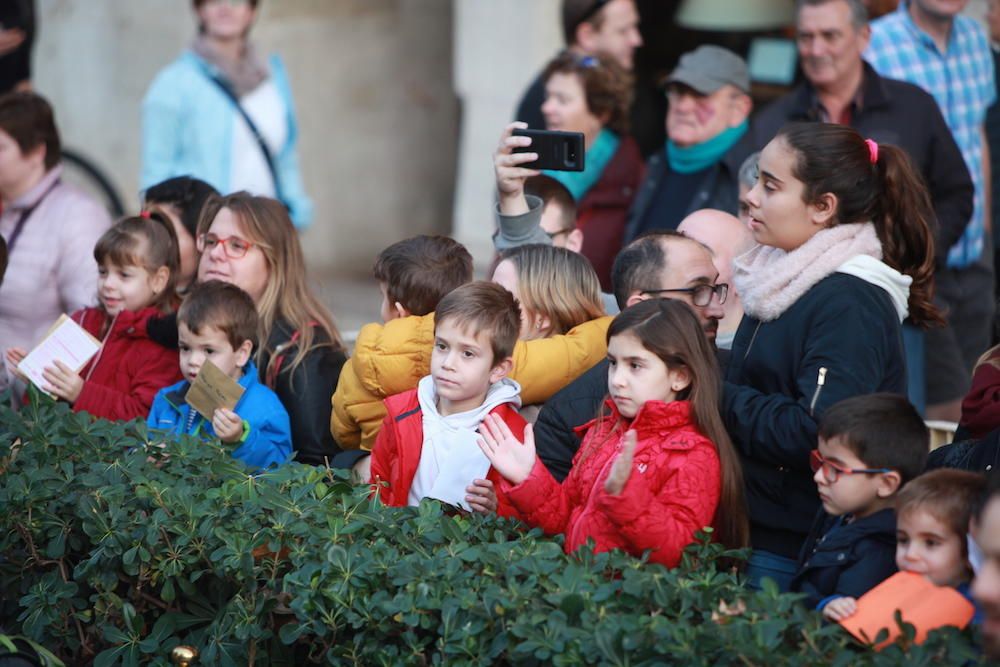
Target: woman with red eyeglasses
point(250, 242)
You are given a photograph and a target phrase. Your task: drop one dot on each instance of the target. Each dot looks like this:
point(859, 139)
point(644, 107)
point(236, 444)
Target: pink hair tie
point(872, 150)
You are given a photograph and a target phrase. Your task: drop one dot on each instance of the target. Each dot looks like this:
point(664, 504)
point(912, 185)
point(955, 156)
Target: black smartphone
point(558, 151)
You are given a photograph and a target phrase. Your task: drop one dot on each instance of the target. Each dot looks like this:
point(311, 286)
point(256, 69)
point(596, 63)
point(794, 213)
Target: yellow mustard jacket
point(391, 358)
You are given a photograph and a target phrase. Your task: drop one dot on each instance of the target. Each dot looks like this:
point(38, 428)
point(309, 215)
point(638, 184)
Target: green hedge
point(114, 550)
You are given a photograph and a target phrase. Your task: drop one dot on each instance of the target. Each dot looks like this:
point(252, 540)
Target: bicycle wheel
point(87, 176)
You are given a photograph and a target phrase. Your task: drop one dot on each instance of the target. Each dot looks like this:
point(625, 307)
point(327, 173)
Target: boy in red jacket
point(427, 447)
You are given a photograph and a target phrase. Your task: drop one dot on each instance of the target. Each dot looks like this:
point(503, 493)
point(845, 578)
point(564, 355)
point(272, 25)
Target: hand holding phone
point(556, 150)
point(510, 172)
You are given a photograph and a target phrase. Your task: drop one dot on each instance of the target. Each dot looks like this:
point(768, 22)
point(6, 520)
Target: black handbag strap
point(268, 157)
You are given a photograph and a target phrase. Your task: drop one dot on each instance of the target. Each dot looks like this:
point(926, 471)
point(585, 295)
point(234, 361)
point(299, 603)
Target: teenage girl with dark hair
point(845, 254)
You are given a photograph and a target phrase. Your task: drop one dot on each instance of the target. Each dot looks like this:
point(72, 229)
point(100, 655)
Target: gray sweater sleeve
point(517, 230)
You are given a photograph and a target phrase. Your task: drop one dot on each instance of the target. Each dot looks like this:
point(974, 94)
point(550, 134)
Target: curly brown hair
point(606, 85)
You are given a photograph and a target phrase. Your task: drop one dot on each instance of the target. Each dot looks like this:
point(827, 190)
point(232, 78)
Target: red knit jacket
point(121, 381)
point(396, 453)
point(672, 492)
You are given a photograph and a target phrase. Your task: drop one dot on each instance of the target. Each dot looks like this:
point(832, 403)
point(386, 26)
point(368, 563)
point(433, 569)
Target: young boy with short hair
point(218, 322)
point(413, 275)
point(869, 446)
point(427, 447)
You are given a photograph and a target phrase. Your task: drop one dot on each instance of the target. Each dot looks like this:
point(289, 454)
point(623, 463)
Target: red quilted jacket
point(672, 492)
point(121, 381)
point(400, 441)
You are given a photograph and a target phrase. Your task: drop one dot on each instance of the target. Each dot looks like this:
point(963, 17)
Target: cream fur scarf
point(769, 280)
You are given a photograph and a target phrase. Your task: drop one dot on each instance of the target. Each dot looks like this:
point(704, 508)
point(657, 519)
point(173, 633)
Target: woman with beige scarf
point(844, 254)
point(224, 114)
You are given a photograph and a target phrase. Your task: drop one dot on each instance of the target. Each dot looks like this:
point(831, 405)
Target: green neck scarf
point(689, 159)
point(595, 161)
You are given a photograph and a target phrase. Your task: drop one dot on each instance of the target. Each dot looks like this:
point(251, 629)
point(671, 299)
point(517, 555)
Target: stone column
point(499, 48)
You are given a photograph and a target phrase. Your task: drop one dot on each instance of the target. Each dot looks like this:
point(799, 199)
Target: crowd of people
point(745, 331)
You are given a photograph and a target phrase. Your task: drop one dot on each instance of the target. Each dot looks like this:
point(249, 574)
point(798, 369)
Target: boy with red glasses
point(869, 446)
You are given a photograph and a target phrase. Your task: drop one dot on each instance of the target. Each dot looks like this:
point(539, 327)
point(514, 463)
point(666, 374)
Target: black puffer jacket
point(846, 559)
point(842, 338)
point(305, 392)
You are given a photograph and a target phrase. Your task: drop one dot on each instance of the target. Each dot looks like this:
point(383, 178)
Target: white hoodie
point(450, 457)
point(872, 271)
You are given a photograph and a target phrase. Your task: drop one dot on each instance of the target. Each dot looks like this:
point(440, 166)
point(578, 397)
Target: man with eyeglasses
point(727, 237)
point(664, 264)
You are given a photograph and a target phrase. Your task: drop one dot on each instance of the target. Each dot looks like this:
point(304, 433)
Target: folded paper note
point(211, 390)
point(66, 341)
point(922, 604)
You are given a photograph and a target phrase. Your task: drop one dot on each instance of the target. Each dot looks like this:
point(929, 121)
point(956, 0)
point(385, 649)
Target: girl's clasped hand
point(514, 459)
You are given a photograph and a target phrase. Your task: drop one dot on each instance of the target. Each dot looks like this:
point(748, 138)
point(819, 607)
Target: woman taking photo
point(591, 94)
point(224, 114)
point(845, 254)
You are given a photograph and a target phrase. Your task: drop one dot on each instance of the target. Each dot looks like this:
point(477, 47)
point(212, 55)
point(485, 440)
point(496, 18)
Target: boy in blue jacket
point(218, 322)
point(869, 446)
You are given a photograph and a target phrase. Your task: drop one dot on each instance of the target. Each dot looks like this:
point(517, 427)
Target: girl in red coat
point(652, 470)
point(137, 266)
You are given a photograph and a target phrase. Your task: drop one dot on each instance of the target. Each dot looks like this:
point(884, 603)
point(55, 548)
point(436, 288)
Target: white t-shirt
point(248, 167)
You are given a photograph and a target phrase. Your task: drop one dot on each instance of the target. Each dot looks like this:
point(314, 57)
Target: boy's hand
point(481, 496)
point(228, 425)
point(512, 459)
point(622, 467)
point(63, 381)
point(362, 470)
point(840, 608)
point(16, 355)
point(509, 172)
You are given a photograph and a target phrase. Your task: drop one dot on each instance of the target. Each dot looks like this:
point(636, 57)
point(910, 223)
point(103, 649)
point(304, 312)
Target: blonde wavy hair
point(556, 283)
point(287, 296)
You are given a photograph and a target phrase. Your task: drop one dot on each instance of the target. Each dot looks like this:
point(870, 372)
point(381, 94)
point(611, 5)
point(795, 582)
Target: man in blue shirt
point(927, 43)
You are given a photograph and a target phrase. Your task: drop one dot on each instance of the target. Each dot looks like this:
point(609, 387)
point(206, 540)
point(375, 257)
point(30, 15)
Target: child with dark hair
point(869, 446)
point(137, 266)
point(181, 201)
point(427, 447)
point(218, 323)
point(656, 467)
point(413, 275)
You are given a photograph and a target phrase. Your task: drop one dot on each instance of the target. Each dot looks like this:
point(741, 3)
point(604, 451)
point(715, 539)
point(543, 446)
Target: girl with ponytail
point(845, 253)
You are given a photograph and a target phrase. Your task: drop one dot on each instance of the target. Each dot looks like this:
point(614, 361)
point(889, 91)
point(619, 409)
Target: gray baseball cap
point(710, 67)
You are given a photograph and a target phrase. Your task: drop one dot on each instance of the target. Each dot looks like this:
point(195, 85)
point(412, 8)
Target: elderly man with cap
point(707, 140)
